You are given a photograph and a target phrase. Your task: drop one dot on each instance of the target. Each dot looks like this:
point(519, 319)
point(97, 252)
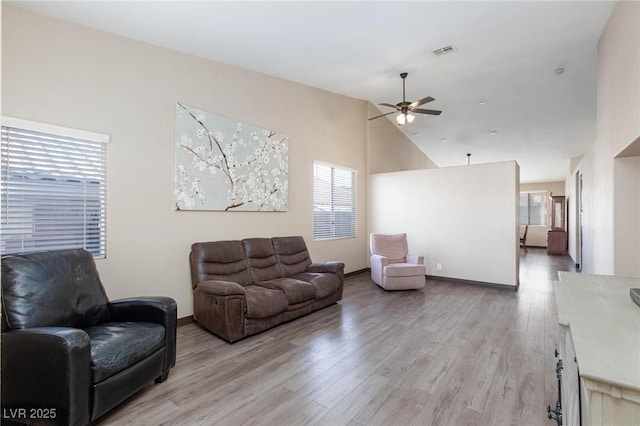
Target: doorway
point(580, 213)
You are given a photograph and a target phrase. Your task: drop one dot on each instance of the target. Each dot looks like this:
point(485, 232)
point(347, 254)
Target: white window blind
point(334, 202)
point(53, 190)
point(533, 208)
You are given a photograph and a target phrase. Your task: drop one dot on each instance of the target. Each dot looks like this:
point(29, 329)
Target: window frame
point(354, 183)
point(75, 184)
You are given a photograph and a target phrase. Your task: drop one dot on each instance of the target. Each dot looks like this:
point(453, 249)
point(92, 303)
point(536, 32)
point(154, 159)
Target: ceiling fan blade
point(378, 116)
point(421, 102)
point(426, 111)
point(389, 105)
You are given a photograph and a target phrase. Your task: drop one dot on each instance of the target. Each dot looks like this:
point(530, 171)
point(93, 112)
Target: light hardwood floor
point(451, 354)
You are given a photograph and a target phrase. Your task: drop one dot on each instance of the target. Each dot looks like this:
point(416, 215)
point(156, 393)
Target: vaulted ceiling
point(520, 84)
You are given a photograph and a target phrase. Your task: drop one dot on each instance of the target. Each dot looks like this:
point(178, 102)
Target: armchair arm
point(46, 369)
point(330, 266)
point(412, 258)
point(159, 310)
point(380, 260)
point(377, 267)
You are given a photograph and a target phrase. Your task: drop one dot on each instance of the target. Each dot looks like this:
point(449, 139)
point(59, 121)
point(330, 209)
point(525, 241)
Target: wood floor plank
point(449, 354)
point(350, 404)
point(475, 395)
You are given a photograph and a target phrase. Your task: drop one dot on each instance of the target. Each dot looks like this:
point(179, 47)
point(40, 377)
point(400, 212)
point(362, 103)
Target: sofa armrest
point(47, 369)
point(412, 258)
point(159, 310)
point(220, 307)
point(330, 266)
point(220, 288)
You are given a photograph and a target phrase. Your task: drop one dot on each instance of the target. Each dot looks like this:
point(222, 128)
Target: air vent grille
point(444, 50)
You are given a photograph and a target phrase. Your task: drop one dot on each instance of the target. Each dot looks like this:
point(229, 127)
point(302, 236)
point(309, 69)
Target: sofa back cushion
point(219, 260)
point(292, 254)
point(263, 263)
point(55, 288)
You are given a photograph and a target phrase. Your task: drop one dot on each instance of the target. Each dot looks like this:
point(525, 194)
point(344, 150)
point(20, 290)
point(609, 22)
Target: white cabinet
point(600, 350)
point(570, 389)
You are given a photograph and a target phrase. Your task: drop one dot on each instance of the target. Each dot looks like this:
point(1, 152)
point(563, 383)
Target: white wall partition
point(463, 218)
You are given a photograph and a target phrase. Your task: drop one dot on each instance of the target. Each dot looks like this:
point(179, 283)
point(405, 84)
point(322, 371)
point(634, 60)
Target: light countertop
point(605, 326)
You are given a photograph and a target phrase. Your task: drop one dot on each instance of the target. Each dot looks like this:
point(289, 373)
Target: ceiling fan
point(407, 108)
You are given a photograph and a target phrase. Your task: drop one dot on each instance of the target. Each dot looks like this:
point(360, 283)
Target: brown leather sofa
point(243, 287)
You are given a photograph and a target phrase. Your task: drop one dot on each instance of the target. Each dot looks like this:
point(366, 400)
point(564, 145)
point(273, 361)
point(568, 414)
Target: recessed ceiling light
point(559, 71)
point(443, 139)
point(493, 132)
point(483, 101)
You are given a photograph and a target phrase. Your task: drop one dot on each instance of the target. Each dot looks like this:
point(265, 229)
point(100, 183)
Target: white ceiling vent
point(444, 50)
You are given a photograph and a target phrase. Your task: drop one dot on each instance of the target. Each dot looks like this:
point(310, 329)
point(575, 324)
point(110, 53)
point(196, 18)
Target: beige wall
point(449, 217)
point(389, 150)
point(618, 125)
point(537, 235)
point(64, 74)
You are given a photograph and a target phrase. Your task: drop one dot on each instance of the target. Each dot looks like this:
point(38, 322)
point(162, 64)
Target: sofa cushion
point(219, 260)
point(292, 255)
point(263, 264)
point(296, 291)
point(118, 345)
point(323, 284)
point(264, 302)
point(54, 288)
point(404, 270)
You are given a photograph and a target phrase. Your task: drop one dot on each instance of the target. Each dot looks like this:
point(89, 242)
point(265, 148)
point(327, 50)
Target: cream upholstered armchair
point(392, 268)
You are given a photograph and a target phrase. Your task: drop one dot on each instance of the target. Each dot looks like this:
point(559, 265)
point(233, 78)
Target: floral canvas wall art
point(224, 164)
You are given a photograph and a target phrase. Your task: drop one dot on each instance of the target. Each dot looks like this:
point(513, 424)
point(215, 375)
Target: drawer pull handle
point(556, 413)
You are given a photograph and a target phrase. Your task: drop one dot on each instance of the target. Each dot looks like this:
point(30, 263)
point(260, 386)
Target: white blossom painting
point(223, 164)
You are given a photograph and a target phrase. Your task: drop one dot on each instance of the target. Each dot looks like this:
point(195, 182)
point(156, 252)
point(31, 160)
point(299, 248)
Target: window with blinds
point(334, 202)
point(533, 208)
point(53, 188)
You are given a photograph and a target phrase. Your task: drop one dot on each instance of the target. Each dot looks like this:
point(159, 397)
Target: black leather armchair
point(68, 353)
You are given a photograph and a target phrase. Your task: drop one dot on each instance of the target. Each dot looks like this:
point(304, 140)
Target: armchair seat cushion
point(295, 291)
point(323, 284)
point(404, 270)
point(264, 302)
point(116, 346)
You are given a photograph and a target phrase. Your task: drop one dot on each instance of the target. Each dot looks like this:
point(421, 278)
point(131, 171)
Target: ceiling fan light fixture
point(406, 109)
